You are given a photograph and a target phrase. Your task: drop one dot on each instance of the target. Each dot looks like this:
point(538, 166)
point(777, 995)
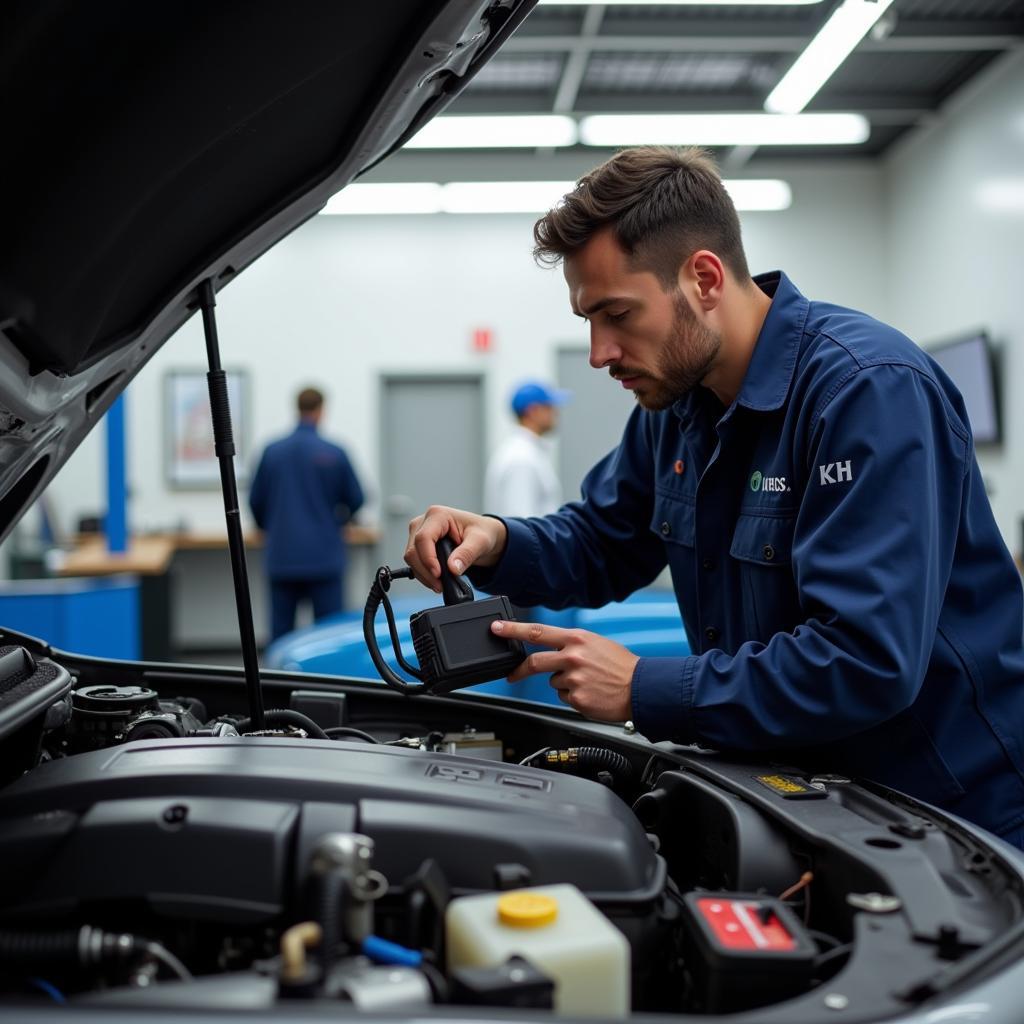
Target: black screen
point(970, 365)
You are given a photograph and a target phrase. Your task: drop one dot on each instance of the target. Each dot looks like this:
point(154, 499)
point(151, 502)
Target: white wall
point(954, 251)
point(346, 298)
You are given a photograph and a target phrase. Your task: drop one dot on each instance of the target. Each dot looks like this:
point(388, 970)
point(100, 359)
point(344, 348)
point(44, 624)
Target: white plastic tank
point(559, 931)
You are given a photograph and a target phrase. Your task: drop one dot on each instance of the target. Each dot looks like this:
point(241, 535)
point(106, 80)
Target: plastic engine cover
point(229, 824)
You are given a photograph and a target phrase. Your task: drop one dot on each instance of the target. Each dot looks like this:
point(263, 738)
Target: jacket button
point(708, 563)
point(769, 552)
point(665, 529)
point(711, 633)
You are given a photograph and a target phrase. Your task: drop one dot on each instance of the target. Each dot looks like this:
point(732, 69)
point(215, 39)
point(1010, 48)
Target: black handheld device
point(454, 643)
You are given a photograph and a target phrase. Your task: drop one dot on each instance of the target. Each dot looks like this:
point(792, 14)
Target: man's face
point(540, 417)
point(647, 338)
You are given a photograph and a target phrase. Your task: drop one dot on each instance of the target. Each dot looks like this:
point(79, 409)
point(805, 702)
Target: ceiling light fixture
point(759, 194)
point(496, 132)
point(502, 196)
point(834, 42)
point(684, 3)
point(1001, 195)
point(723, 129)
point(513, 196)
point(390, 197)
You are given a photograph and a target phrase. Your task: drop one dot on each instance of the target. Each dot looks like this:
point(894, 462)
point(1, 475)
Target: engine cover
point(223, 828)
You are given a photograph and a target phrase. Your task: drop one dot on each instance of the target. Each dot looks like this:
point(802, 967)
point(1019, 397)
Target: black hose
point(80, 947)
point(330, 887)
point(591, 760)
point(35, 949)
point(285, 716)
point(348, 730)
point(596, 758)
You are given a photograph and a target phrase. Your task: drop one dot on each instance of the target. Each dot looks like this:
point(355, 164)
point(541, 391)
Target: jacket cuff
point(662, 698)
point(516, 567)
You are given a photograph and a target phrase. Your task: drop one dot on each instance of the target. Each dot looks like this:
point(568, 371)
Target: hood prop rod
point(224, 446)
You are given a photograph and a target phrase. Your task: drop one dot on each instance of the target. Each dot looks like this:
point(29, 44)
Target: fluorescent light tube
point(502, 196)
point(513, 196)
point(683, 3)
point(763, 194)
point(825, 52)
point(398, 197)
point(1004, 195)
point(496, 132)
point(723, 129)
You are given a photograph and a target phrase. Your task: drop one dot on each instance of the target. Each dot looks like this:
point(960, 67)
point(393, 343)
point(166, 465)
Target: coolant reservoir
point(559, 931)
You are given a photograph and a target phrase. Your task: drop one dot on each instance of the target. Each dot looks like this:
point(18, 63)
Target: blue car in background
point(647, 622)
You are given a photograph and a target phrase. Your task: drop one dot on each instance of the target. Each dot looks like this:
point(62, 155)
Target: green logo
point(755, 480)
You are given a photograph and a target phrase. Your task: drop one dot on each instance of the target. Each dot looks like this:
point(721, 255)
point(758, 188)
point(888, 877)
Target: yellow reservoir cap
point(527, 909)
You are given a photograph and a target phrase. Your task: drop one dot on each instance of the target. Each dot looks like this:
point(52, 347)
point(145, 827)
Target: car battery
point(745, 950)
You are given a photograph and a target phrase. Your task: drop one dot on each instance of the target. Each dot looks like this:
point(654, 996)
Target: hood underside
point(152, 146)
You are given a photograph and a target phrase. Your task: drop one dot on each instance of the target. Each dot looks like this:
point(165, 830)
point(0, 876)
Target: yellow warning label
point(788, 787)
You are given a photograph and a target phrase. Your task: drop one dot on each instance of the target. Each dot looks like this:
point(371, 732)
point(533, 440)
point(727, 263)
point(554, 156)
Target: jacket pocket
point(762, 549)
point(673, 520)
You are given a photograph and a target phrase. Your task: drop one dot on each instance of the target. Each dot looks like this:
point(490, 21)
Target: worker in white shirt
point(521, 479)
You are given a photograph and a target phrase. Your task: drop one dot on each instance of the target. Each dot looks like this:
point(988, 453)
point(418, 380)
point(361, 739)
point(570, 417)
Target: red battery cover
point(743, 925)
point(753, 949)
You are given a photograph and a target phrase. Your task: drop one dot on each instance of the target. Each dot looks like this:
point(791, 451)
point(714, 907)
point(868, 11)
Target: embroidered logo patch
point(760, 482)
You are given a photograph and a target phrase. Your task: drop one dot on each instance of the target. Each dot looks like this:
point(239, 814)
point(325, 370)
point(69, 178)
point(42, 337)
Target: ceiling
point(653, 59)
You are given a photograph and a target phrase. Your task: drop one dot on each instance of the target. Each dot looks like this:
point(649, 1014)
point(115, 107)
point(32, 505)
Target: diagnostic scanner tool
point(454, 643)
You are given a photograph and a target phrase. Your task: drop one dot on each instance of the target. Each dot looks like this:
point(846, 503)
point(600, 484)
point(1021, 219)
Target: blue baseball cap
point(533, 392)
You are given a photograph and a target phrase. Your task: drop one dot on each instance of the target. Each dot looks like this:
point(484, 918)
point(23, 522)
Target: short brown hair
point(309, 400)
point(663, 204)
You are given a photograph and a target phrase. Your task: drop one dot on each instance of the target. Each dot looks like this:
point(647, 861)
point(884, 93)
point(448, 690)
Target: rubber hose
point(600, 758)
point(330, 886)
point(285, 716)
point(28, 949)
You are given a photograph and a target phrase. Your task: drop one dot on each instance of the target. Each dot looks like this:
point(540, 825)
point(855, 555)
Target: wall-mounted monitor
point(971, 364)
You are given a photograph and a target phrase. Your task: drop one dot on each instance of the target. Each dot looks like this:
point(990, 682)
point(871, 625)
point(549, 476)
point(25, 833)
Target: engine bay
point(400, 854)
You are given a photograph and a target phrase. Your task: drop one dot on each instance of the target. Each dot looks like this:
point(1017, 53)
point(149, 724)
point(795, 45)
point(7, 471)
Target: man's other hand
point(479, 540)
point(589, 672)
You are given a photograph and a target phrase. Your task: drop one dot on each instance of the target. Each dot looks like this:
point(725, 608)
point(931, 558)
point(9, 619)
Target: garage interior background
point(922, 231)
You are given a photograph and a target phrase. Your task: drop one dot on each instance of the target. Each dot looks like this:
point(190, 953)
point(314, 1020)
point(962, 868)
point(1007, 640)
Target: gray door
point(591, 424)
point(431, 450)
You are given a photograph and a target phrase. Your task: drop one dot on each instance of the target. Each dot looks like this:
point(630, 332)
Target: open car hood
point(151, 147)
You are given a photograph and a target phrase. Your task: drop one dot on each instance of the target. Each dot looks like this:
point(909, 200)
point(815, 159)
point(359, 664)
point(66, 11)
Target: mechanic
point(808, 475)
point(303, 493)
point(521, 478)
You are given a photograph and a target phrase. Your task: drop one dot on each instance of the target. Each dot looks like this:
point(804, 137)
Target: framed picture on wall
point(190, 461)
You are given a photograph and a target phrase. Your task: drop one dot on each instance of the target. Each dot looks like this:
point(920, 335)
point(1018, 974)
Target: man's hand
point(479, 540)
point(590, 672)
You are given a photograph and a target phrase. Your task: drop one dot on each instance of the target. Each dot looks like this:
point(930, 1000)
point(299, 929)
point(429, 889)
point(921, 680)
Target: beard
point(685, 360)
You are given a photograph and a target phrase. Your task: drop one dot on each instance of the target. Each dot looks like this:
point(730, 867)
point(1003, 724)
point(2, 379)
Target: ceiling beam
point(576, 63)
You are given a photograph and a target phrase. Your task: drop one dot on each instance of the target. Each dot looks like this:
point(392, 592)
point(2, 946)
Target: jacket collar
point(770, 373)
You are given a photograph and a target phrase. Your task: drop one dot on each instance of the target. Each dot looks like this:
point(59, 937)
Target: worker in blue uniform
point(808, 475)
point(303, 493)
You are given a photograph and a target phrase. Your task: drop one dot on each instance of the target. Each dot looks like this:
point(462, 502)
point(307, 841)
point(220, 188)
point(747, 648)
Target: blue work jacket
point(840, 575)
point(303, 492)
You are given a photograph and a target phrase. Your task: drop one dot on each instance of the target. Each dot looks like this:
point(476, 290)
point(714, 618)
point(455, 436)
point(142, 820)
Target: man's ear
point(702, 276)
